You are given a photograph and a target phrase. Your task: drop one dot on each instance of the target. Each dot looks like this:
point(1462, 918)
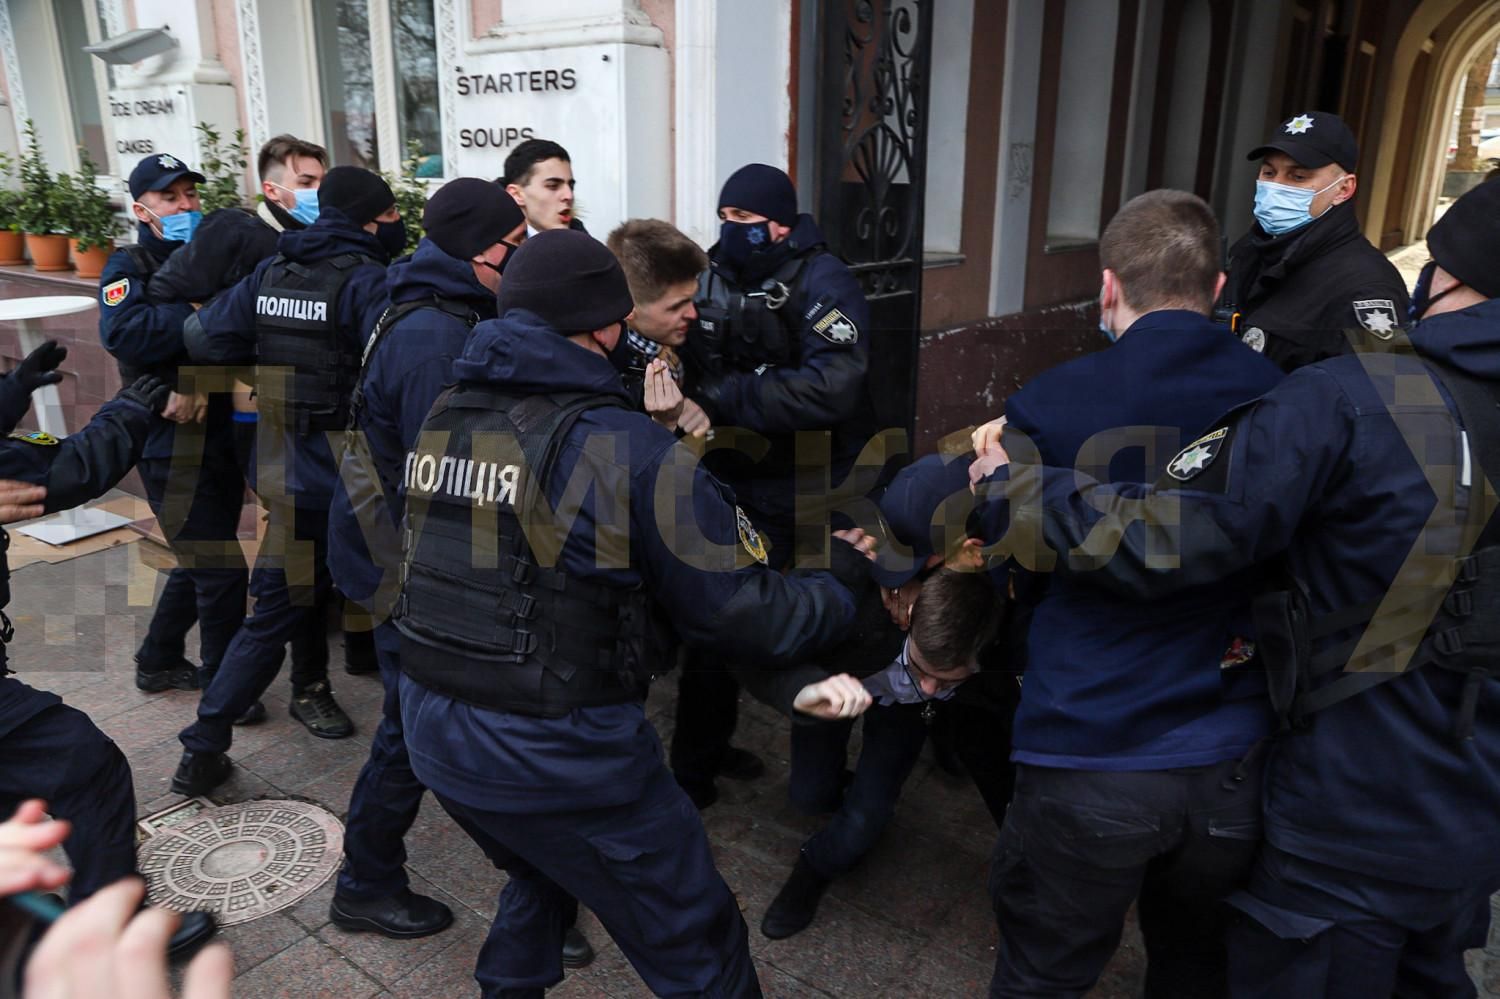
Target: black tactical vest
point(297, 327)
point(740, 329)
point(481, 619)
point(1463, 636)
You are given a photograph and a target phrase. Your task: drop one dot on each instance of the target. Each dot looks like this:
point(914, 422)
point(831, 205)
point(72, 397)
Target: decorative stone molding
point(448, 17)
point(695, 97)
point(12, 69)
point(253, 71)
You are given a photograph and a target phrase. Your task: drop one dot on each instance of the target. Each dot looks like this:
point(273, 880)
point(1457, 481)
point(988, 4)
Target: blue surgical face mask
point(179, 227)
point(306, 208)
point(1109, 334)
point(1282, 208)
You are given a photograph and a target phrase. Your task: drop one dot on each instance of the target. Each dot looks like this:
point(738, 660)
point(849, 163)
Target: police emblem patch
point(1255, 339)
point(167, 162)
point(750, 537)
point(1197, 456)
point(35, 437)
point(114, 293)
point(836, 328)
point(1378, 316)
point(1298, 125)
point(1240, 652)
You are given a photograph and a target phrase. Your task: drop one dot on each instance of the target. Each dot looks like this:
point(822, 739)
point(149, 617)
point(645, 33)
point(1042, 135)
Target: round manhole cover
point(243, 861)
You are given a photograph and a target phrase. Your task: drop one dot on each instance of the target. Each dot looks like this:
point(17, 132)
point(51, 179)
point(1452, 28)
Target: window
point(378, 69)
point(414, 47)
point(343, 39)
point(1081, 127)
point(83, 86)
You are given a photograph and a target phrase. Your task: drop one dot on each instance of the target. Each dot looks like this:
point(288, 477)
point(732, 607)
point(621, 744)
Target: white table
point(81, 522)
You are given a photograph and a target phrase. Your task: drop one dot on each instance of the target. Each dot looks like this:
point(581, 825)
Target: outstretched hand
point(837, 697)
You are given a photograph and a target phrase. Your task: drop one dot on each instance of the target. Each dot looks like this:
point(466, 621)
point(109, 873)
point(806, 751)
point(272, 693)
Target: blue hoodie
point(715, 597)
point(1320, 469)
point(403, 376)
point(224, 332)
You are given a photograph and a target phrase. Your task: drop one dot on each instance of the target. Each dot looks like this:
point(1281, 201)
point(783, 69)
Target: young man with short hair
point(539, 175)
point(662, 266)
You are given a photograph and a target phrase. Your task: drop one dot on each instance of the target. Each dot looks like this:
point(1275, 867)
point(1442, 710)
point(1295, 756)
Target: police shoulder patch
point(835, 327)
point(1377, 316)
point(40, 437)
point(1255, 339)
point(750, 537)
point(114, 293)
point(1197, 456)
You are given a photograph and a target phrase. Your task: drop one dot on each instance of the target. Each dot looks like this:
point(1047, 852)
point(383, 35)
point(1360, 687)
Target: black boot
point(153, 677)
point(193, 931)
point(403, 916)
point(795, 906)
point(316, 708)
point(200, 773)
point(577, 952)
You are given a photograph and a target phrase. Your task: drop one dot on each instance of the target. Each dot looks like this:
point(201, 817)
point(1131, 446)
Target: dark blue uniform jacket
point(1332, 468)
point(75, 469)
point(224, 333)
point(1117, 684)
point(719, 598)
point(403, 376)
point(140, 331)
point(826, 390)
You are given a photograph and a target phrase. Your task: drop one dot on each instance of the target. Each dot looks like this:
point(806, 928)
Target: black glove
point(38, 369)
point(40, 366)
point(147, 391)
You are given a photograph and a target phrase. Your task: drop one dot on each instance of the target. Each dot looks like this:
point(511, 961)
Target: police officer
point(1304, 280)
point(228, 247)
point(436, 295)
point(528, 636)
point(1133, 715)
point(47, 749)
point(781, 346)
point(1373, 475)
point(198, 502)
point(303, 317)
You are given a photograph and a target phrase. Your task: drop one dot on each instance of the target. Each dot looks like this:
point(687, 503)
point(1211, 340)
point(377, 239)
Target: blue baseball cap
point(925, 509)
point(158, 172)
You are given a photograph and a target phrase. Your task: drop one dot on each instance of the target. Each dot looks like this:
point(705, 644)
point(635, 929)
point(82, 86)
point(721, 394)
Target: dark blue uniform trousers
point(197, 504)
point(60, 756)
point(644, 868)
point(290, 582)
point(1079, 846)
point(1309, 930)
point(893, 737)
point(386, 796)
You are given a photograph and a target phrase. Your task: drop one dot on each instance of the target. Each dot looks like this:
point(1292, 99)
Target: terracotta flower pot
point(12, 248)
point(49, 252)
point(90, 263)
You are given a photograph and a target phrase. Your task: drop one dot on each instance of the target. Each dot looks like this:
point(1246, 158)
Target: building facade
point(963, 155)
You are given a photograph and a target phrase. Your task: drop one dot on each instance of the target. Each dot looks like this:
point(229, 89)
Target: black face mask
point(1421, 297)
point(392, 237)
point(739, 242)
point(620, 353)
point(499, 268)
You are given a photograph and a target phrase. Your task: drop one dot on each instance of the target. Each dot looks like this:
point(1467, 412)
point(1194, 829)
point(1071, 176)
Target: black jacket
point(1299, 293)
point(227, 247)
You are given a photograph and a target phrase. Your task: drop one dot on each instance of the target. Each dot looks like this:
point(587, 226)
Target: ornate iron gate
point(872, 172)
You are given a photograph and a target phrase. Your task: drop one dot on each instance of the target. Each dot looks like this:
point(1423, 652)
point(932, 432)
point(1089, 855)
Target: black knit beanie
point(569, 279)
point(359, 194)
point(1464, 240)
point(468, 215)
point(761, 189)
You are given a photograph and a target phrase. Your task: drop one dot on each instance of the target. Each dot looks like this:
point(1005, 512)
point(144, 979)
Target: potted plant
point(91, 218)
point(12, 243)
point(223, 169)
point(46, 238)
